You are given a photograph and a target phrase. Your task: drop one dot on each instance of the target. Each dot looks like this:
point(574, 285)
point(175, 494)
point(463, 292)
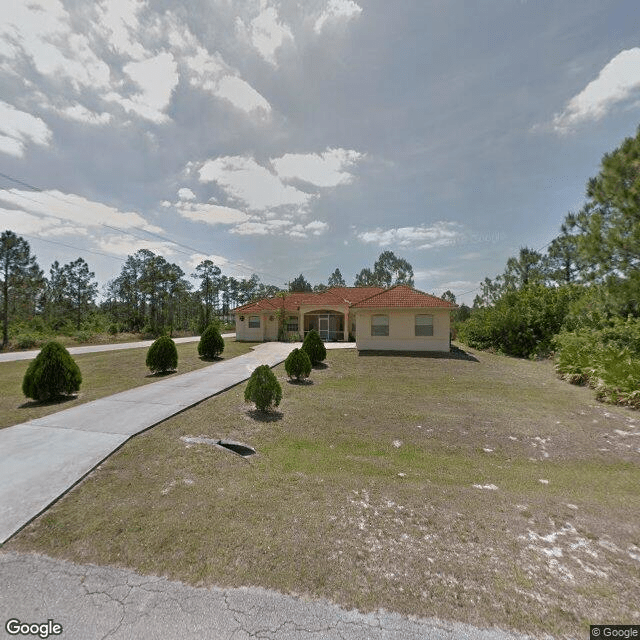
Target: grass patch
point(103, 374)
point(363, 492)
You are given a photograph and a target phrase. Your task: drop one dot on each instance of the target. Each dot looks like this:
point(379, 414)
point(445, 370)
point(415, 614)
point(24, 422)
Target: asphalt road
point(96, 603)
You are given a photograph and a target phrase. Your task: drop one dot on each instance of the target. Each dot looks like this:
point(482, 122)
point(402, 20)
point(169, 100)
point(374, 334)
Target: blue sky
point(277, 137)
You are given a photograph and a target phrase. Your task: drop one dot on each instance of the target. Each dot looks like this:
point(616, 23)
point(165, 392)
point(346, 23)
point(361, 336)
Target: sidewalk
point(95, 348)
point(42, 459)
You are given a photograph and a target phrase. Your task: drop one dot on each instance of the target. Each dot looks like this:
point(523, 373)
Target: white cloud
point(78, 211)
point(35, 27)
point(17, 127)
point(317, 227)
point(617, 81)
point(26, 223)
point(320, 169)
point(197, 258)
point(280, 227)
point(126, 245)
point(186, 194)
point(118, 21)
point(241, 94)
point(439, 234)
point(211, 73)
point(251, 229)
point(243, 179)
point(335, 11)
point(268, 35)
point(210, 213)
point(157, 77)
point(82, 114)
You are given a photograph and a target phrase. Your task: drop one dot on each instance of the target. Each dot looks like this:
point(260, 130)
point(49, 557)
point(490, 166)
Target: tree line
point(150, 295)
point(581, 298)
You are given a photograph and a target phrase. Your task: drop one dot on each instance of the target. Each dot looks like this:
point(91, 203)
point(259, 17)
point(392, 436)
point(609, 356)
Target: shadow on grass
point(455, 354)
point(214, 359)
point(161, 374)
point(265, 416)
point(47, 403)
point(321, 365)
point(300, 383)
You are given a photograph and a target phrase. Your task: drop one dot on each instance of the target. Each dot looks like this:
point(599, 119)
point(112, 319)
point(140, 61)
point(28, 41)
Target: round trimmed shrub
point(263, 389)
point(314, 347)
point(211, 343)
point(298, 365)
point(52, 373)
point(162, 355)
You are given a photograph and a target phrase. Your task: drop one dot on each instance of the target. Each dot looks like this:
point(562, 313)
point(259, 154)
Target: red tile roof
point(360, 297)
point(402, 296)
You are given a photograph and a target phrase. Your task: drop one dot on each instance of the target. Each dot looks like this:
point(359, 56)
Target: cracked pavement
point(100, 603)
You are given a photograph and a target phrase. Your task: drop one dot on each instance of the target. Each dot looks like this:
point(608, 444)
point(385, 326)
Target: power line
point(240, 266)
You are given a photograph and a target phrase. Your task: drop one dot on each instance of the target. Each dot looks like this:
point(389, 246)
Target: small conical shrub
point(52, 373)
point(263, 388)
point(211, 343)
point(314, 347)
point(162, 355)
point(298, 365)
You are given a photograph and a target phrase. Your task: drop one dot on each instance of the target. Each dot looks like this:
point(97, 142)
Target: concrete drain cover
point(240, 448)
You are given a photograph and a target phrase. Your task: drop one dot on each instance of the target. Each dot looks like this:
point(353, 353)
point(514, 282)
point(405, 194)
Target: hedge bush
point(162, 355)
point(522, 323)
point(263, 389)
point(607, 359)
point(52, 373)
point(298, 364)
point(314, 347)
point(211, 343)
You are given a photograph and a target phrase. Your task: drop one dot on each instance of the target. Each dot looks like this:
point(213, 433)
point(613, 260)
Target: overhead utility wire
point(124, 231)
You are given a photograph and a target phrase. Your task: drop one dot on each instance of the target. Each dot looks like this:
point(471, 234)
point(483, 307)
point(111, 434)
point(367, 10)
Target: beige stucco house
point(399, 319)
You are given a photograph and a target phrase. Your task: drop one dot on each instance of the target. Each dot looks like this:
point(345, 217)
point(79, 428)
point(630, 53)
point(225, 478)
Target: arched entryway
point(329, 324)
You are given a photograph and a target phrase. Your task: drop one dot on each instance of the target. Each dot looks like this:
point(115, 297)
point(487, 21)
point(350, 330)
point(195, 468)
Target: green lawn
point(103, 374)
point(363, 492)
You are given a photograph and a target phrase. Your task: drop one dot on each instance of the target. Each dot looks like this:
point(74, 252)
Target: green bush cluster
point(162, 355)
point(298, 364)
point(522, 323)
point(607, 359)
point(263, 389)
point(314, 347)
point(211, 343)
point(52, 373)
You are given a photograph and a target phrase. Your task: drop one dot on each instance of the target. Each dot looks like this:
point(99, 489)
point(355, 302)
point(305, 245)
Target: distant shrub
point(162, 355)
point(314, 347)
point(211, 343)
point(52, 373)
point(298, 365)
point(263, 389)
point(84, 336)
point(522, 323)
point(607, 359)
point(113, 329)
point(25, 341)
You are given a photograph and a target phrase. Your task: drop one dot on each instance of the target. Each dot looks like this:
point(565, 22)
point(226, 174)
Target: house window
point(292, 323)
point(424, 325)
point(254, 322)
point(379, 325)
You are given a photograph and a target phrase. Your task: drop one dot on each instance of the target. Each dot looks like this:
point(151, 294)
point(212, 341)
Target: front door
point(323, 327)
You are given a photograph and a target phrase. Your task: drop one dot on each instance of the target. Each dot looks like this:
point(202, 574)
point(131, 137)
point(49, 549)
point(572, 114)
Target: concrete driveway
point(42, 459)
